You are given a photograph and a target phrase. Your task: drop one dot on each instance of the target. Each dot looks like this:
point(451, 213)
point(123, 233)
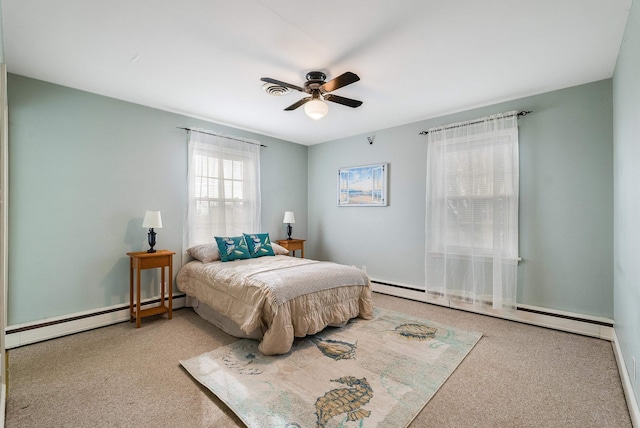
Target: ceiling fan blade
point(285, 84)
point(340, 81)
point(342, 100)
point(298, 104)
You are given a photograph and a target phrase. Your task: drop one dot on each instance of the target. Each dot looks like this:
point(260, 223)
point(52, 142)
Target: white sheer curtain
point(223, 188)
point(472, 211)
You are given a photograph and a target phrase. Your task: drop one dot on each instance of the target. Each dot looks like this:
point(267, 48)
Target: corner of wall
point(630, 396)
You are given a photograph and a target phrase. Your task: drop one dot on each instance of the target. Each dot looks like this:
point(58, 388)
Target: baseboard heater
point(564, 316)
point(404, 287)
point(24, 334)
point(565, 321)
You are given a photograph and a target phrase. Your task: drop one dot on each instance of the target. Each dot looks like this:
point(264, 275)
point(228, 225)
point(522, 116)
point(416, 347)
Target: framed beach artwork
point(363, 186)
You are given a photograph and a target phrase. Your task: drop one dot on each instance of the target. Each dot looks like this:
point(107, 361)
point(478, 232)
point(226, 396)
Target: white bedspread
point(283, 296)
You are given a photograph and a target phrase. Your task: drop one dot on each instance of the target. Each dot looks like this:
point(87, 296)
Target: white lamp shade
point(152, 220)
point(316, 109)
point(289, 217)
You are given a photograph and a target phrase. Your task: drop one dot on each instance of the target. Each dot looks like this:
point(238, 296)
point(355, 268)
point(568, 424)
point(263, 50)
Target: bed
point(273, 298)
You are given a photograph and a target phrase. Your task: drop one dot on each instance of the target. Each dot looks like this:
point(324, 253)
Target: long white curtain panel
point(472, 211)
point(223, 188)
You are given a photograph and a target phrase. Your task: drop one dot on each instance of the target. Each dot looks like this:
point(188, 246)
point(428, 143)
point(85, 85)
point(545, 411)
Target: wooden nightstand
point(292, 245)
point(142, 260)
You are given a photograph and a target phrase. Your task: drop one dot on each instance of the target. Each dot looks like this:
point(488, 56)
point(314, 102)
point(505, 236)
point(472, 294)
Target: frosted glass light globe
point(316, 109)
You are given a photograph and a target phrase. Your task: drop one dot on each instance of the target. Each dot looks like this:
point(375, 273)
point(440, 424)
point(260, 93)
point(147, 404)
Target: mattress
point(278, 297)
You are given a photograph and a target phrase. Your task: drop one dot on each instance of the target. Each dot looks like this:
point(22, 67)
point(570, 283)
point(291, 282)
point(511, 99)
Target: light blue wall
point(626, 131)
point(83, 170)
point(566, 203)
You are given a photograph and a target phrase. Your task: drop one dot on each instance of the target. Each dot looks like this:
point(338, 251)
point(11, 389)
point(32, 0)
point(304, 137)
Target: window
point(219, 185)
point(479, 188)
point(224, 188)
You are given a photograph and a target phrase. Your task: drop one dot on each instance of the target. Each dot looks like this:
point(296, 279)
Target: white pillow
point(279, 250)
point(205, 253)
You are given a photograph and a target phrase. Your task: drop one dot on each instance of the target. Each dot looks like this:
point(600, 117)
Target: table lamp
point(289, 219)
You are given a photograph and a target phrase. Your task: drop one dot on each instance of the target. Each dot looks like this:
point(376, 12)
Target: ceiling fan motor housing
point(316, 75)
point(315, 79)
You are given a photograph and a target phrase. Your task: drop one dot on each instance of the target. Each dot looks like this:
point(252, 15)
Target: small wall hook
point(370, 139)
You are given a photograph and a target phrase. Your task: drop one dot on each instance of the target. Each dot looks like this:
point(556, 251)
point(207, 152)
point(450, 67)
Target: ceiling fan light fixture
point(316, 108)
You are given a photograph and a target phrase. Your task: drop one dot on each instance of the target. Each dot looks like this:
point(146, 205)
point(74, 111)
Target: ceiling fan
point(318, 89)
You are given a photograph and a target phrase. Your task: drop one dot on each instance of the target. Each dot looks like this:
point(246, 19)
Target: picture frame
point(363, 186)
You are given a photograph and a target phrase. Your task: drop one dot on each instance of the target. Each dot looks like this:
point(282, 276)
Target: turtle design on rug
point(344, 400)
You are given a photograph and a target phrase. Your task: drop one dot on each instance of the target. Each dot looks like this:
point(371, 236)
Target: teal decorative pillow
point(259, 244)
point(232, 248)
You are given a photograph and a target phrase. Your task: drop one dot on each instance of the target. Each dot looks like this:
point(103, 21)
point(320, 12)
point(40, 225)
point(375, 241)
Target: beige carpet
point(516, 376)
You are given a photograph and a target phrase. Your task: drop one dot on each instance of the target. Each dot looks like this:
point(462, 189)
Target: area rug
point(370, 373)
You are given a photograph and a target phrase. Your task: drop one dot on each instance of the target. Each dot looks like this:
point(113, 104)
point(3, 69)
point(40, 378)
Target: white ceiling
point(416, 59)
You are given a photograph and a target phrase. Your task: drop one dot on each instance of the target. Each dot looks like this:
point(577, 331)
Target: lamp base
point(289, 230)
point(152, 240)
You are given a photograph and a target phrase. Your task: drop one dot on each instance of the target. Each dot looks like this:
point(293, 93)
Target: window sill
point(476, 257)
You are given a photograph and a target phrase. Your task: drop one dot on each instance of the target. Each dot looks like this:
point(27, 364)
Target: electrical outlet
point(364, 269)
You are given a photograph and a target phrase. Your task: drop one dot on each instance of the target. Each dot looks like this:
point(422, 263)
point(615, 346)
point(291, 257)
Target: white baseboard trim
point(542, 317)
point(50, 328)
point(630, 396)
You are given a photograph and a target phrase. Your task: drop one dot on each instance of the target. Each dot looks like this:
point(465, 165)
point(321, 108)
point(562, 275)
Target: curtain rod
point(520, 113)
point(223, 136)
